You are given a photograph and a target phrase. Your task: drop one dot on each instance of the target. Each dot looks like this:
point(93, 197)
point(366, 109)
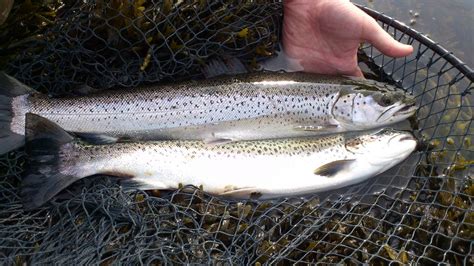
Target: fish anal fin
point(333, 168)
point(129, 184)
point(117, 174)
point(217, 141)
point(95, 138)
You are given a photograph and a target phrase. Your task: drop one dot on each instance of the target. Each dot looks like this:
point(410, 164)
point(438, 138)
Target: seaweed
point(122, 43)
point(27, 22)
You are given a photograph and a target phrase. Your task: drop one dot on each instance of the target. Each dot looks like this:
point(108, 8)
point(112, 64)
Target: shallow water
point(450, 23)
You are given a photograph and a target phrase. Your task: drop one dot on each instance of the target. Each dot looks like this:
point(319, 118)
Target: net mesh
point(122, 43)
point(420, 211)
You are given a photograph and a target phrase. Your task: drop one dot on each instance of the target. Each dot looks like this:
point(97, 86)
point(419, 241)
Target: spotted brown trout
point(245, 169)
point(242, 107)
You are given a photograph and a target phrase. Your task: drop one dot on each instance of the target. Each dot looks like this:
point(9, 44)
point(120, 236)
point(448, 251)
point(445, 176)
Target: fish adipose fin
point(226, 66)
point(333, 168)
point(9, 89)
point(44, 176)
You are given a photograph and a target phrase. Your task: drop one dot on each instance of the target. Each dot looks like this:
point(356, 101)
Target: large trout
point(243, 107)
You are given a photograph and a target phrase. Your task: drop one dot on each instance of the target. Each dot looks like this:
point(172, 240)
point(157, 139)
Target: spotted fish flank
point(245, 169)
point(243, 107)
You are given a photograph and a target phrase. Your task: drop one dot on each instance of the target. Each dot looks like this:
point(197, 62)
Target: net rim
point(422, 38)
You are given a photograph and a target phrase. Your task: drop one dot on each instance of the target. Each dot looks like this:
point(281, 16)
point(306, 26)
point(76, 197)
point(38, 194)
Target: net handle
point(441, 51)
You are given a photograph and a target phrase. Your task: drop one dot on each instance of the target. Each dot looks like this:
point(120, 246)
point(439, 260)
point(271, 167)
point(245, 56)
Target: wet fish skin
point(263, 168)
point(243, 107)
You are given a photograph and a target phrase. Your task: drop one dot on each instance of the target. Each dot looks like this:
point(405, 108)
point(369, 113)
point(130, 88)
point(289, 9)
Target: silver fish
point(263, 168)
point(243, 107)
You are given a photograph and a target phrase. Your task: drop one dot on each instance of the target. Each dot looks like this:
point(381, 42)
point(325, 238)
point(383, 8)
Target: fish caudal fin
point(50, 160)
point(9, 89)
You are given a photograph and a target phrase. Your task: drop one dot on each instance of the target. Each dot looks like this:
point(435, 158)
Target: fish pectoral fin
point(94, 138)
point(322, 128)
point(217, 141)
point(242, 193)
point(333, 168)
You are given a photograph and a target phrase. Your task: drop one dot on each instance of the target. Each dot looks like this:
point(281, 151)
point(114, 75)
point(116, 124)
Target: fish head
point(365, 109)
point(384, 147)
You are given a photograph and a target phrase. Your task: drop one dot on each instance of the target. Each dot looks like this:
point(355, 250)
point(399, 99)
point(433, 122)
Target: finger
point(354, 69)
point(375, 35)
point(358, 73)
point(355, 73)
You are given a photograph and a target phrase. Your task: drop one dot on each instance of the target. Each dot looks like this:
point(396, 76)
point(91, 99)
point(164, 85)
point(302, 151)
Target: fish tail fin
point(10, 88)
point(51, 160)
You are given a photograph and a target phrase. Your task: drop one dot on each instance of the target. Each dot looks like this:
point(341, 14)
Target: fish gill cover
point(420, 211)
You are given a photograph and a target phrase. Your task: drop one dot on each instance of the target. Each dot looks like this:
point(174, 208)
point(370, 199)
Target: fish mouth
point(407, 109)
point(402, 109)
point(399, 146)
point(406, 138)
point(401, 136)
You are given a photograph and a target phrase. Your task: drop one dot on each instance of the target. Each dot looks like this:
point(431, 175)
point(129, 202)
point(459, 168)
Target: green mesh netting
point(420, 211)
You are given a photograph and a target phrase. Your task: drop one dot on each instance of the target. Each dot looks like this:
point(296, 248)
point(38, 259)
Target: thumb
point(357, 73)
point(375, 35)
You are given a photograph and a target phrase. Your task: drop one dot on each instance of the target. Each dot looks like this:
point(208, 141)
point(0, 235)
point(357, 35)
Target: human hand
point(324, 35)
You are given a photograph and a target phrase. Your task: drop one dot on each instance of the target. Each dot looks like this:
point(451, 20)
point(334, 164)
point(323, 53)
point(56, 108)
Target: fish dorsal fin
point(333, 168)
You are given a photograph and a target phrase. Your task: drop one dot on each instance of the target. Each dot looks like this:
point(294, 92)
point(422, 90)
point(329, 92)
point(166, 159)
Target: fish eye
point(386, 101)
